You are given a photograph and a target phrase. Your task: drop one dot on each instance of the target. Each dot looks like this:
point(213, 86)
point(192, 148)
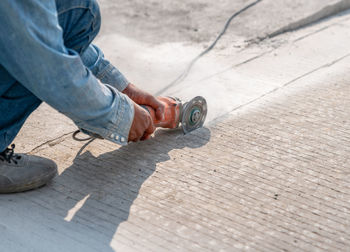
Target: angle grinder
point(189, 115)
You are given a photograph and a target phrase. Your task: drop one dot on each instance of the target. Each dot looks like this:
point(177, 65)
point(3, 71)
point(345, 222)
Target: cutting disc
point(193, 114)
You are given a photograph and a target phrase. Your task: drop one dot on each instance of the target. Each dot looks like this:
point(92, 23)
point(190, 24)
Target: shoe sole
point(31, 186)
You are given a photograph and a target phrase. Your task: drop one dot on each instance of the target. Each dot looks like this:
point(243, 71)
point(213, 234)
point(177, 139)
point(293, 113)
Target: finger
point(131, 137)
point(138, 139)
point(146, 137)
point(151, 128)
point(160, 113)
point(138, 136)
point(158, 106)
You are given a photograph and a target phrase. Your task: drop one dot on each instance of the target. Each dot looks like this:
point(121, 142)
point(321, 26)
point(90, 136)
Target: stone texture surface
point(271, 175)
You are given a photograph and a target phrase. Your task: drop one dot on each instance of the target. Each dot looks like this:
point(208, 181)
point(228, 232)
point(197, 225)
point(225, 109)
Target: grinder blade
point(193, 114)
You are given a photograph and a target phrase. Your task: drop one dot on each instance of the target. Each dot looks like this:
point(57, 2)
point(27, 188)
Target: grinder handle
point(171, 113)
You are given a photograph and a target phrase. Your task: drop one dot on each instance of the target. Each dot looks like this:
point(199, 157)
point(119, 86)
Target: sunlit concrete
point(269, 172)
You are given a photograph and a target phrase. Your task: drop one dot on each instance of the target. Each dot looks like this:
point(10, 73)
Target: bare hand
point(142, 126)
point(141, 97)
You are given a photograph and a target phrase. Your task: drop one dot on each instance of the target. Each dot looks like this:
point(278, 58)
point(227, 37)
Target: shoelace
point(9, 155)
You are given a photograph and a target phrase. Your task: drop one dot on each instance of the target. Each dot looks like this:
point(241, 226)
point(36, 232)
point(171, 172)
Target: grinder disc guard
point(193, 114)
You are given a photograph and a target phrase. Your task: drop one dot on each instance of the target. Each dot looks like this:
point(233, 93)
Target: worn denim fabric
point(81, 21)
point(46, 55)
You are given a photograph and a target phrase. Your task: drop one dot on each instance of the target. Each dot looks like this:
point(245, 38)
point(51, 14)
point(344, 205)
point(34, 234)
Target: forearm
point(93, 58)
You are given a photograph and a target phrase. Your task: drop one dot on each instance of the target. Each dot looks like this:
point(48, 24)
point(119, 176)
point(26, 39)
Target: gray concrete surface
point(159, 21)
point(271, 173)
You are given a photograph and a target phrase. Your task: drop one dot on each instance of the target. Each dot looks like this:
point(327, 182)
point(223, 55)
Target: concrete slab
point(184, 21)
point(270, 175)
point(229, 77)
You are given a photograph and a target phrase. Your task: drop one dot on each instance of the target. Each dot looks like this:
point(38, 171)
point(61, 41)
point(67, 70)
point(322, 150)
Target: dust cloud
point(153, 67)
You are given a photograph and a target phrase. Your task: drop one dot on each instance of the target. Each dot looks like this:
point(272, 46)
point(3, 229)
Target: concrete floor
point(269, 172)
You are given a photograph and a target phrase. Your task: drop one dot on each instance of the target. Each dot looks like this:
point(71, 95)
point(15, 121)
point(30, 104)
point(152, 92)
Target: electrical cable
point(185, 73)
point(182, 76)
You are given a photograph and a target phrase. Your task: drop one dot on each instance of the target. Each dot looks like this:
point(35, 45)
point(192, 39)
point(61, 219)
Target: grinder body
point(172, 113)
point(189, 116)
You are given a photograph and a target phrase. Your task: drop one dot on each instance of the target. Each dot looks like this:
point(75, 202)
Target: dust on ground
point(159, 21)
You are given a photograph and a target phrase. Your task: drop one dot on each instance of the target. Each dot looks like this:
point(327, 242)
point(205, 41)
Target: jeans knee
point(93, 14)
point(96, 14)
point(80, 21)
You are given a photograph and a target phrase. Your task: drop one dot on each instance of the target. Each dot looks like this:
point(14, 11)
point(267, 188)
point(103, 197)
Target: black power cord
point(185, 73)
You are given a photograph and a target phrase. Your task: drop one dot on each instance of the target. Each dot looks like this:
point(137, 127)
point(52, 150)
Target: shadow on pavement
point(104, 188)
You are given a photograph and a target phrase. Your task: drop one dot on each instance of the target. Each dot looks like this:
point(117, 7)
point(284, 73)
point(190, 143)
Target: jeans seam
point(107, 69)
point(93, 24)
point(76, 7)
point(92, 13)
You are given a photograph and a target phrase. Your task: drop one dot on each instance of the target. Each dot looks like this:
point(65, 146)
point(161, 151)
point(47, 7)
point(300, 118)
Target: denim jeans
point(80, 21)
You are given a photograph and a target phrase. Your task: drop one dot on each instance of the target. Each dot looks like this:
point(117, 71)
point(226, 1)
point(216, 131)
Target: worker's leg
point(18, 172)
point(16, 103)
point(80, 21)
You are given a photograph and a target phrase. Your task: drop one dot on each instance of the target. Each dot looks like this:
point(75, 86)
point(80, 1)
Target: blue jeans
point(80, 21)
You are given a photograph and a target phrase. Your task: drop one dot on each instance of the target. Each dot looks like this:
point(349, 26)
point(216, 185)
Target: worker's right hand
point(142, 126)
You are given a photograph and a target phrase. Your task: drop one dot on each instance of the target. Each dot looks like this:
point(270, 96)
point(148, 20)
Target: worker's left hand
point(141, 97)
